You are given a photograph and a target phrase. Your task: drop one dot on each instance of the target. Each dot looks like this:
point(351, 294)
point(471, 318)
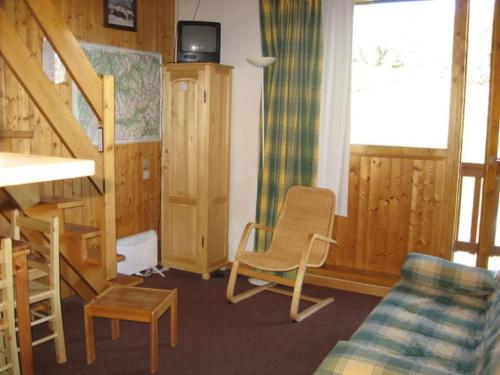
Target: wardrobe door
point(181, 170)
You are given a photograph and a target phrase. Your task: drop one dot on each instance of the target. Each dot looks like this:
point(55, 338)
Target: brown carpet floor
point(254, 336)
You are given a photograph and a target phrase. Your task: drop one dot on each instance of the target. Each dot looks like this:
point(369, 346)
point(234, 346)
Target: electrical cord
point(196, 11)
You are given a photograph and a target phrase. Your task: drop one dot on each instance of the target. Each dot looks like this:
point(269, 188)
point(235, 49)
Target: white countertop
point(18, 169)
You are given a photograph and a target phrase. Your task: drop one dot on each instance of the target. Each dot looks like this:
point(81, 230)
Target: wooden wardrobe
point(195, 167)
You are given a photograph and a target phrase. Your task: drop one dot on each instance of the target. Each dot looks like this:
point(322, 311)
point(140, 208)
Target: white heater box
point(140, 250)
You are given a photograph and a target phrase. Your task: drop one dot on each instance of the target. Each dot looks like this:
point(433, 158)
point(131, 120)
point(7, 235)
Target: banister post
point(108, 240)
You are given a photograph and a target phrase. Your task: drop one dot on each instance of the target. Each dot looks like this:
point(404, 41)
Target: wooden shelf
point(18, 169)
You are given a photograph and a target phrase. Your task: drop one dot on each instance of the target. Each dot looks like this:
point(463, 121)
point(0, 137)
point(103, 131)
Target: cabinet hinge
point(204, 96)
point(202, 241)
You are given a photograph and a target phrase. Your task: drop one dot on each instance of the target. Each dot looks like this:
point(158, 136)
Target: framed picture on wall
point(120, 14)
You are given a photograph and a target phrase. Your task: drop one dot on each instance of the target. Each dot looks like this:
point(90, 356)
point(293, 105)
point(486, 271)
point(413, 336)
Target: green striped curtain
point(291, 31)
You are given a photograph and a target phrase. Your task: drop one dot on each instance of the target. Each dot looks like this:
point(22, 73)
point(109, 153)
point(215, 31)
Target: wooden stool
point(136, 304)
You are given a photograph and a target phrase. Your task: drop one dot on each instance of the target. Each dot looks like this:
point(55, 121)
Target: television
point(198, 41)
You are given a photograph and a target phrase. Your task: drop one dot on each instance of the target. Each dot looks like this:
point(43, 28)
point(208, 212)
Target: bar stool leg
point(89, 336)
point(58, 328)
point(154, 344)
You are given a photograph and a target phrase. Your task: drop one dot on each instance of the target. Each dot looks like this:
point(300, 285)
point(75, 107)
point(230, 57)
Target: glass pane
point(401, 73)
point(463, 257)
point(478, 81)
point(494, 263)
point(466, 203)
point(494, 260)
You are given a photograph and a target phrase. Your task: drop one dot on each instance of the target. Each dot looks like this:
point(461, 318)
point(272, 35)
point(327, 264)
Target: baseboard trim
point(347, 285)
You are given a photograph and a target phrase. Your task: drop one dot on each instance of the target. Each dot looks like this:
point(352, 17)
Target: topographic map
point(137, 94)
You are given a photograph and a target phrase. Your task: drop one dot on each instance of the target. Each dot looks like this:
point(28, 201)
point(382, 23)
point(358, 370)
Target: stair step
point(60, 202)
point(127, 280)
point(82, 231)
point(120, 258)
point(16, 133)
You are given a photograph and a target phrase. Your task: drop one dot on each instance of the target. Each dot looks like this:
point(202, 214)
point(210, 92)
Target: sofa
point(440, 318)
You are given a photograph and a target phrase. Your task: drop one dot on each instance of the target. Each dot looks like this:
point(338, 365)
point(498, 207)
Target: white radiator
point(140, 250)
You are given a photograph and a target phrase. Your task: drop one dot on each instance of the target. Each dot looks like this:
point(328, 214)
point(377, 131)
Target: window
point(401, 73)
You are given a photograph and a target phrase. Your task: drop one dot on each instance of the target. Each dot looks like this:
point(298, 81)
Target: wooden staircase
point(82, 264)
point(88, 253)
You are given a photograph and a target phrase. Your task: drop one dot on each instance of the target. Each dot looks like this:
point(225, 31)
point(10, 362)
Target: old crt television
point(198, 41)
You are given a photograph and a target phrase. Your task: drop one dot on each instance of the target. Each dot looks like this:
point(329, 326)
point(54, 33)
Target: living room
point(423, 189)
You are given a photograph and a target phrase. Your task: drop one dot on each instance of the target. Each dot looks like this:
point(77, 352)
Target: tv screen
point(198, 41)
point(198, 38)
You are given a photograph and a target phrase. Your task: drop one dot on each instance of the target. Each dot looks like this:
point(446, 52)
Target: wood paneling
point(395, 206)
point(138, 200)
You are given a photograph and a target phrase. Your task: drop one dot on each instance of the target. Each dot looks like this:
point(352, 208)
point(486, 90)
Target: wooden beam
point(25, 196)
point(58, 33)
point(455, 129)
point(46, 98)
point(419, 153)
point(489, 203)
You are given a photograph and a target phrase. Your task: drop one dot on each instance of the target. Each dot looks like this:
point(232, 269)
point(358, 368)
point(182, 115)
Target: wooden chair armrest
point(246, 234)
point(312, 238)
point(321, 237)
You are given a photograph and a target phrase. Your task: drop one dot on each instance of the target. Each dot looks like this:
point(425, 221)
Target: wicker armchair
point(301, 239)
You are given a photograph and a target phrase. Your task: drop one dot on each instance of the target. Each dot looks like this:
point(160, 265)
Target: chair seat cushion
point(269, 261)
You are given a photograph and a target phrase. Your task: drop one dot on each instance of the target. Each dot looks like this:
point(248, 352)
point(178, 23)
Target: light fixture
point(261, 62)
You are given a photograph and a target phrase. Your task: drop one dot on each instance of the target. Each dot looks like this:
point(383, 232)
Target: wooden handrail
point(99, 92)
point(475, 170)
point(44, 94)
point(67, 47)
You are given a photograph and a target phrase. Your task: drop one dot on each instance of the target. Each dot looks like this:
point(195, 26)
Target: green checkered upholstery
point(438, 272)
point(421, 327)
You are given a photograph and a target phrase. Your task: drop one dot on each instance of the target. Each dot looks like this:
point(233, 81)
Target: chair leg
point(232, 281)
point(297, 291)
point(58, 328)
point(244, 295)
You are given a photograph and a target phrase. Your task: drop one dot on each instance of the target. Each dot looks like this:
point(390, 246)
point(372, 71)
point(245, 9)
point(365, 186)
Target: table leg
point(173, 323)
point(89, 336)
point(115, 329)
point(23, 314)
point(154, 344)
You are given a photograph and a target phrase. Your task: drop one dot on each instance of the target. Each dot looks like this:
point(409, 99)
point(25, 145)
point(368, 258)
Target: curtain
point(333, 165)
point(291, 32)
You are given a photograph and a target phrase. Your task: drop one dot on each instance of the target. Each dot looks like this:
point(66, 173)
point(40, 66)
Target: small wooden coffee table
point(131, 303)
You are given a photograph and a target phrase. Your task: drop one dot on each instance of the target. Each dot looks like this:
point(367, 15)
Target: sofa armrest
point(350, 358)
point(443, 274)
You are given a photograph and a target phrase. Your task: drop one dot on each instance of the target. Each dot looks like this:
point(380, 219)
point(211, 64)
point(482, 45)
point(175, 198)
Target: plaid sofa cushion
point(418, 329)
point(444, 274)
point(489, 349)
point(429, 325)
point(351, 358)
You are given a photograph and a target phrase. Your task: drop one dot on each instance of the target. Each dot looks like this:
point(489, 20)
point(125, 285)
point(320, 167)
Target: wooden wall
point(395, 206)
point(137, 200)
